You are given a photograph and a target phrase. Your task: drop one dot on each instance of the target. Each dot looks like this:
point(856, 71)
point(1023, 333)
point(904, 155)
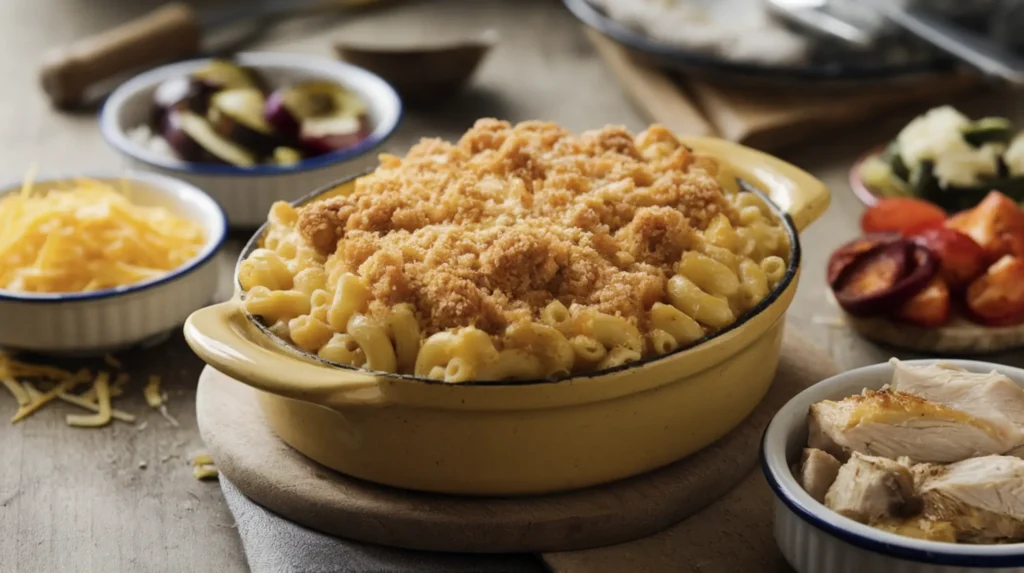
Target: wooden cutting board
point(768, 118)
point(275, 476)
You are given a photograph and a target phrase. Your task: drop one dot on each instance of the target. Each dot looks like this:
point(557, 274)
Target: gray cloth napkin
point(275, 545)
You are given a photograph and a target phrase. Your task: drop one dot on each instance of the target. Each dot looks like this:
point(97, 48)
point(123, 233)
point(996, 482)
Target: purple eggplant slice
point(237, 114)
point(225, 75)
point(194, 139)
point(321, 116)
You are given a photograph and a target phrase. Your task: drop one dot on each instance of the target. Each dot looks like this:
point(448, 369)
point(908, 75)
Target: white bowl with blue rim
point(814, 539)
point(133, 315)
point(246, 193)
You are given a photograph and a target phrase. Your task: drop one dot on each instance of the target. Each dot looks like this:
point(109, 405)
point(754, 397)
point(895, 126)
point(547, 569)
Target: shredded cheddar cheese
point(42, 399)
point(94, 407)
point(61, 384)
point(18, 391)
point(86, 238)
point(101, 418)
point(205, 472)
point(203, 467)
point(152, 392)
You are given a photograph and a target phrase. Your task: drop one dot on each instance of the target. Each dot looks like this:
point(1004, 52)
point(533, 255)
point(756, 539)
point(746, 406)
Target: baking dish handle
point(217, 334)
point(797, 192)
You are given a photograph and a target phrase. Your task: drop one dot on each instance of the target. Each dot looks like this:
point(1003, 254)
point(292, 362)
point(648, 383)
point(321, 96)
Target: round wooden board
point(960, 337)
point(248, 453)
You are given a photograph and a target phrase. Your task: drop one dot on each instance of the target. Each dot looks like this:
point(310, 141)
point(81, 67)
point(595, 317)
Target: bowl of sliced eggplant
point(252, 130)
point(945, 158)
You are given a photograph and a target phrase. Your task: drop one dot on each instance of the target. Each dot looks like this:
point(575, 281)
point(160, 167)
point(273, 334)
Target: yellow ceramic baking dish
point(522, 437)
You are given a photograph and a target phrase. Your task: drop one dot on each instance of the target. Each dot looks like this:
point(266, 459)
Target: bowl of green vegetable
point(946, 158)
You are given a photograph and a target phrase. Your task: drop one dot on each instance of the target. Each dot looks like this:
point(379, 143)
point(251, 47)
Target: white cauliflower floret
point(931, 134)
point(967, 167)
point(937, 136)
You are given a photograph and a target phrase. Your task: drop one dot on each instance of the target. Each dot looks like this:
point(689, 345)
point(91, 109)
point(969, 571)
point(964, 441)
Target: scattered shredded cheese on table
point(101, 418)
point(104, 386)
point(61, 384)
point(152, 392)
point(88, 237)
point(203, 467)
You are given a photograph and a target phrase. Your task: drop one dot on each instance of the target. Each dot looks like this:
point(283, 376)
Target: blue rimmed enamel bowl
point(139, 314)
point(814, 539)
point(246, 193)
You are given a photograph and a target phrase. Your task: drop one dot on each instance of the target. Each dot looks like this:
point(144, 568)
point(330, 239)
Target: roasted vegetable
point(179, 93)
point(224, 75)
point(843, 257)
point(194, 139)
point(997, 297)
point(883, 280)
point(996, 224)
point(237, 114)
point(877, 175)
point(930, 307)
point(892, 156)
point(219, 113)
point(961, 259)
point(321, 116)
point(924, 183)
point(945, 158)
point(904, 215)
point(287, 156)
point(989, 130)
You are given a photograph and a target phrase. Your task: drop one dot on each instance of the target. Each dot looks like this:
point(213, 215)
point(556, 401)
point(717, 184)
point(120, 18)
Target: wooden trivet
point(247, 451)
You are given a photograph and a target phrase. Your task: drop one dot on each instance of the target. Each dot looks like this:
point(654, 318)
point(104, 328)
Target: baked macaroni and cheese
point(517, 252)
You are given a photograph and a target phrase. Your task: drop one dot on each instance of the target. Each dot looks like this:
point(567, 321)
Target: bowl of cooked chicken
point(912, 466)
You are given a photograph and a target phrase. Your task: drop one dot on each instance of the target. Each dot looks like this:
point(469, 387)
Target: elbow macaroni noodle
point(311, 300)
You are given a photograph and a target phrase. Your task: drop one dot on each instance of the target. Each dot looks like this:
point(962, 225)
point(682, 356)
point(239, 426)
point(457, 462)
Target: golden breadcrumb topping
point(488, 230)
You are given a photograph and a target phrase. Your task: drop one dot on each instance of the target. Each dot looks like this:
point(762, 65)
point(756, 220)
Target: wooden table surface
point(77, 499)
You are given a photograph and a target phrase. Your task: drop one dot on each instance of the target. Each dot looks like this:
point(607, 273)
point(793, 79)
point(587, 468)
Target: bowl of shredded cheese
point(93, 264)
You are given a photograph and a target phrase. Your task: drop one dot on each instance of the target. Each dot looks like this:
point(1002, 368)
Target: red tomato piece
point(997, 224)
point(930, 307)
point(996, 298)
point(903, 215)
point(961, 260)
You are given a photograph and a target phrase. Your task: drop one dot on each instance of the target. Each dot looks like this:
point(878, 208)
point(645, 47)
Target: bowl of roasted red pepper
point(922, 279)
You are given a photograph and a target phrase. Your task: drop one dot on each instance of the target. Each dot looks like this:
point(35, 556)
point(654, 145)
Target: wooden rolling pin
point(172, 32)
point(169, 33)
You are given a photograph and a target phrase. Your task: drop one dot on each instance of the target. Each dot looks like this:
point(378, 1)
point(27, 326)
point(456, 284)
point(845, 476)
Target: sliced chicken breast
point(991, 396)
point(869, 489)
point(983, 498)
point(895, 424)
point(817, 471)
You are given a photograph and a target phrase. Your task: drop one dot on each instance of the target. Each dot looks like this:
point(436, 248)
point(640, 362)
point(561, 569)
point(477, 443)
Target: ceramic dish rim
point(786, 489)
point(163, 184)
point(856, 182)
point(119, 140)
point(596, 19)
point(792, 269)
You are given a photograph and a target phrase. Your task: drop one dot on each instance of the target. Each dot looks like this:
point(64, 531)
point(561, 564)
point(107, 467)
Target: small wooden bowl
point(423, 75)
point(960, 337)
